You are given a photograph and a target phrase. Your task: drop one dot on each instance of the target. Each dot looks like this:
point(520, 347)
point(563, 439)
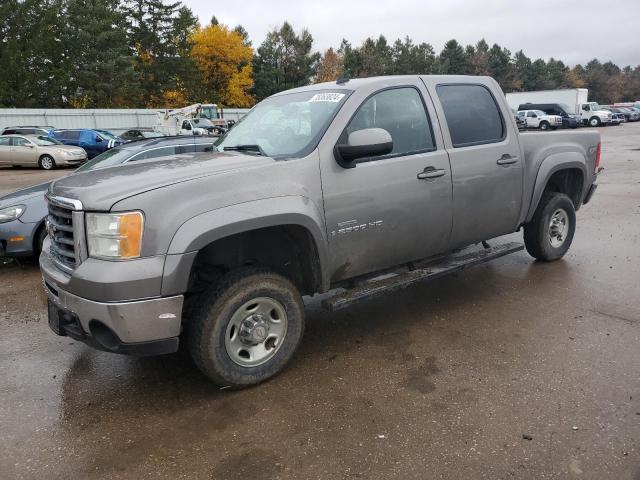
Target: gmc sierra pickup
point(320, 187)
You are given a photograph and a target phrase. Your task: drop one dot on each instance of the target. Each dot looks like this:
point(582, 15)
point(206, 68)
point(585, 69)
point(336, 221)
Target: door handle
point(430, 173)
point(507, 159)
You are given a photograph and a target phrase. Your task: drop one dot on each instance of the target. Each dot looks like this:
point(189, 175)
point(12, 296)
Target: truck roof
point(388, 80)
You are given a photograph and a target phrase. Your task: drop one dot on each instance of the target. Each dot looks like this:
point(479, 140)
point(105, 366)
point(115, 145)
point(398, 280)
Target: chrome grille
point(60, 227)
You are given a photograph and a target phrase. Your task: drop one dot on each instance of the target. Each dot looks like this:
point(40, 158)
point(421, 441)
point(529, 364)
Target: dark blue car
point(93, 141)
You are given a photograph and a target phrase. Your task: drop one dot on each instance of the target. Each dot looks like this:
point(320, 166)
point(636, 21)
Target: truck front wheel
point(549, 234)
point(246, 328)
point(594, 122)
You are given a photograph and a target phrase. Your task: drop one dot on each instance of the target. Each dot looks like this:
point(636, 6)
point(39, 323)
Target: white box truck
point(573, 100)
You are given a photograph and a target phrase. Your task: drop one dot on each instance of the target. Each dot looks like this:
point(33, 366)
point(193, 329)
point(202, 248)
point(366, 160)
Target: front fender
point(550, 165)
point(208, 227)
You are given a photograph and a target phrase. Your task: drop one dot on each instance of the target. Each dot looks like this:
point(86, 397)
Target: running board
point(450, 264)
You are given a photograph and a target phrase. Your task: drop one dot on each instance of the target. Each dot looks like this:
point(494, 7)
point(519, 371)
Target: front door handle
point(430, 173)
point(507, 159)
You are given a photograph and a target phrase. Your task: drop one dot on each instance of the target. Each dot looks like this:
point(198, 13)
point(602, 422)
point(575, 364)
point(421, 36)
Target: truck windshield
point(285, 126)
point(594, 106)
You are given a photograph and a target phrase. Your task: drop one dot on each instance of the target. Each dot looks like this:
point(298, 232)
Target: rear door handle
point(507, 159)
point(430, 172)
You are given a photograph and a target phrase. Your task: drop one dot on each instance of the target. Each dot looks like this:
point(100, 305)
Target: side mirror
point(369, 142)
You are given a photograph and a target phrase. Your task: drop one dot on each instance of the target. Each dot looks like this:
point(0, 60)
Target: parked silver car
point(38, 150)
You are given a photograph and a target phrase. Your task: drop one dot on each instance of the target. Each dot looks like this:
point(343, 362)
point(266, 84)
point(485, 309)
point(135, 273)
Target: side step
point(450, 264)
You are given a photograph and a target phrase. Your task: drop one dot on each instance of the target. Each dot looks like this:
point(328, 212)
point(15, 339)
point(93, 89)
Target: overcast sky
point(574, 31)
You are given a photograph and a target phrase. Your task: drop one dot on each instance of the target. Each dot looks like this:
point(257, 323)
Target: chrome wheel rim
point(558, 228)
point(256, 332)
point(47, 163)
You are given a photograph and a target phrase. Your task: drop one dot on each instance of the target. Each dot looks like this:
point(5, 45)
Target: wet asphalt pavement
point(439, 381)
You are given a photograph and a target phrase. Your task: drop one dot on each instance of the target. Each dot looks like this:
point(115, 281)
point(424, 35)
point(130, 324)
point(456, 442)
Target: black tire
point(537, 233)
point(47, 162)
point(544, 126)
point(594, 122)
point(207, 330)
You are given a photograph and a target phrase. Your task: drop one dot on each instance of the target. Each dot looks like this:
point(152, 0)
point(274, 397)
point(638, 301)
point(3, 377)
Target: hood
point(20, 196)
point(101, 188)
point(67, 148)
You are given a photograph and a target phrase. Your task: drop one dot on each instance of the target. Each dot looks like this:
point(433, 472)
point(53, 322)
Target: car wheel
point(549, 234)
point(246, 328)
point(47, 162)
point(544, 126)
point(594, 122)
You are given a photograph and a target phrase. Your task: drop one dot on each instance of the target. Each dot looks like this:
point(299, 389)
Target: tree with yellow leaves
point(223, 59)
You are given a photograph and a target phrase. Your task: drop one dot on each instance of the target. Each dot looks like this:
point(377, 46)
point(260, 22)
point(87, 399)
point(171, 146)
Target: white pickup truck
point(539, 119)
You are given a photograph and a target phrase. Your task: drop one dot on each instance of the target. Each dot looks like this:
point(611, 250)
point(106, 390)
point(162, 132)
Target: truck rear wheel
point(549, 234)
point(247, 327)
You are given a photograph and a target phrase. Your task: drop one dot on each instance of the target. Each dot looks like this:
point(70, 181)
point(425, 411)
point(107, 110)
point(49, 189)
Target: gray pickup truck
point(362, 185)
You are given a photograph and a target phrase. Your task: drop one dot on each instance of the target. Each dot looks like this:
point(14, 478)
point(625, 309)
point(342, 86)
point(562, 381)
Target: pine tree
point(97, 60)
point(284, 60)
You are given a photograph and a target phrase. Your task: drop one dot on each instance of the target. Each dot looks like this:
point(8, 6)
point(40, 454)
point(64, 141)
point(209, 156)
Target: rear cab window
point(472, 114)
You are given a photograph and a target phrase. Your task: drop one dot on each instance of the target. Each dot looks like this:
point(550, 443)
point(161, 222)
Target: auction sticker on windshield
point(327, 97)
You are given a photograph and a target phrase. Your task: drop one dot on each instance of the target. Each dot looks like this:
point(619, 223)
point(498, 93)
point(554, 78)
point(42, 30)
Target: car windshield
point(202, 122)
point(107, 134)
point(539, 112)
point(284, 126)
point(45, 141)
point(114, 156)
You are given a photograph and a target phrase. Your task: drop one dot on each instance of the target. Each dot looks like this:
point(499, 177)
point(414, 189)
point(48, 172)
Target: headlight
point(11, 213)
point(114, 235)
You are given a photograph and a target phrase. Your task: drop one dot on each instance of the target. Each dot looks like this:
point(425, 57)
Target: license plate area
point(55, 319)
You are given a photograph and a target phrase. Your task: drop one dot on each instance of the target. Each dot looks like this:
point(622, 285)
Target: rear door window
point(5, 142)
point(69, 134)
point(472, 115)
point(20, 142)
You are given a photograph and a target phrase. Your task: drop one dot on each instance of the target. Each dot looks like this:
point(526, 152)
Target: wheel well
point(288, 249)
point(569, 182)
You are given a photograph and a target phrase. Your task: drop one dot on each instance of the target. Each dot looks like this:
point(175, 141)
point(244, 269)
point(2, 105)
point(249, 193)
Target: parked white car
point(539, 119)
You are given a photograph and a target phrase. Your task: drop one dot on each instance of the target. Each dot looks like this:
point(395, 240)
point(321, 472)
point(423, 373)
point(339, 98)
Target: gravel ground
point(441, 381)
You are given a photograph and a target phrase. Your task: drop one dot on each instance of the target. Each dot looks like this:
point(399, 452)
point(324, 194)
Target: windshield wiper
point(247, 148)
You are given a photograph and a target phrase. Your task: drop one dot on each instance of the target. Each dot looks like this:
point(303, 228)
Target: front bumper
point(141, 327)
